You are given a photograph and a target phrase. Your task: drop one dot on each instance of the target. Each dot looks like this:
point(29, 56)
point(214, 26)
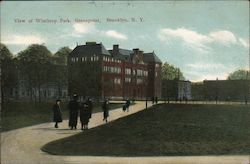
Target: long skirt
point(73, 119)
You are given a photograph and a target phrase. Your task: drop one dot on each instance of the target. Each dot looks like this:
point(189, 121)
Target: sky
point(205, 39)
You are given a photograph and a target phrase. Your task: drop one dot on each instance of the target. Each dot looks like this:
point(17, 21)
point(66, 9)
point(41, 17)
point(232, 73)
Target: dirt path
point(22, 146)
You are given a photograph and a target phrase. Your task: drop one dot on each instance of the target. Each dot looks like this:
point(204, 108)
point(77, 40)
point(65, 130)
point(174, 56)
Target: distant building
point(49, 90)
point(176, 90)
point(226, 90)
point(222, 90)
point(118, 73)
point(197, 91)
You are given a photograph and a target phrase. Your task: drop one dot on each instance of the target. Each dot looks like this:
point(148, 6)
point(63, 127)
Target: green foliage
point(58, 73)
point(240, 74)
point(35, 66)
point(169, 72)
point(5, 53)
point(8, 72)
point(62, 54)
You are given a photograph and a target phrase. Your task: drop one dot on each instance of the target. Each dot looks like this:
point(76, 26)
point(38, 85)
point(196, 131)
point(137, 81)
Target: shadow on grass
point(165, 130)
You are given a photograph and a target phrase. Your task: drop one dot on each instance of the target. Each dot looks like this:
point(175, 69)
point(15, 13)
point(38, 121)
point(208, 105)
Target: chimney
point(136, 50)
point(90, 43)
point(115, 50)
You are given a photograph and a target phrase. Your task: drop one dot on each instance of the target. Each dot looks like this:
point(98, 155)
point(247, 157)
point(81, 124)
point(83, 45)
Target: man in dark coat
point(57, 115)
point(105, 108)
point(84, 115)
point(153, 100)
point(156, 100)
point(127, 104)
point(73, 112)
point(90, 107)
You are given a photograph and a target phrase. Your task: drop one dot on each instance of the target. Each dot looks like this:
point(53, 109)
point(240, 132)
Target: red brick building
point(117, 73)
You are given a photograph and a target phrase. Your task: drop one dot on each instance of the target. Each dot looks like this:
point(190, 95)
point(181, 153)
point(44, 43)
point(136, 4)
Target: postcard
point(125, 82)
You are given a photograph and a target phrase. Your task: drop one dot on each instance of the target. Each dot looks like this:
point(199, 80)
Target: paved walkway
point(22, 146)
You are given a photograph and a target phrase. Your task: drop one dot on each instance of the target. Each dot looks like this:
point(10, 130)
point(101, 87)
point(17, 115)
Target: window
point(119, 70)
point(84, 58)
point(139, 72)
point(128, 71)
point(117, 80)
point(139, 81)
point(112, 69)
point(134, 73)
point(127, 80)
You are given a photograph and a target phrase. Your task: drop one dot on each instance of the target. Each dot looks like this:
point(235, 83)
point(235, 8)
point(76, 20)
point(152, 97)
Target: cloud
point(185, 34)
point(206, 66)
point(115, 34)
point(84, 28)
point(22, 39)
point(223, 37)
point(190, 38)
point(200, 42)
point(210, 71)
point(244, 42)
point(81, 29)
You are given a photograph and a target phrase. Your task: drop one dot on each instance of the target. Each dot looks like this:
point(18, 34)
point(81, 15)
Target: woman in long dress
point(57, 114)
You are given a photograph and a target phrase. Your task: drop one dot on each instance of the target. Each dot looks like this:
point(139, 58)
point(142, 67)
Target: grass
point(165, 130)
point(23, 114)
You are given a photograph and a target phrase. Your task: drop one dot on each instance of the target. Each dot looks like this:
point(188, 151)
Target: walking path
point(22, 146)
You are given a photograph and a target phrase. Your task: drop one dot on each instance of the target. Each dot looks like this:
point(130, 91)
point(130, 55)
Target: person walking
point(127, 104)
point(73, 112)
point(124, 107)
point(105, 108)
point(57, 114)
point(90, 107)
point(84, 115)
point(156, 100)
point(153, 100)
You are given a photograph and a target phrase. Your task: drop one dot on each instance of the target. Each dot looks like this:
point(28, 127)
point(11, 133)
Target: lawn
point(22, 114)
point(165, 130)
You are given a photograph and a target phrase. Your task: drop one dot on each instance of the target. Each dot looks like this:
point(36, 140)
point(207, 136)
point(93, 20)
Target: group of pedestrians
point(82, 108)
point(85, 110)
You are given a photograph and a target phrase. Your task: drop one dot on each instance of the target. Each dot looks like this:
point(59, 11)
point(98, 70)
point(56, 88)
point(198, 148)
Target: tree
point(8, 72)
point(169, 72)
point(240, 74)
point(34, 63)
point(62, 55)
point(59, 74)
point(170, 76)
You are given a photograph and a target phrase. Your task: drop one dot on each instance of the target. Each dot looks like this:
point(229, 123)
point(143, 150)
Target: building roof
point(151, 57)
point(89, 49)
point(124, 54)
point(92, 48)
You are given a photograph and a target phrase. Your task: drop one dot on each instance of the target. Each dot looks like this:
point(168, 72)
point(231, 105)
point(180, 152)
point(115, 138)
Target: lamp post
point(248, 78)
